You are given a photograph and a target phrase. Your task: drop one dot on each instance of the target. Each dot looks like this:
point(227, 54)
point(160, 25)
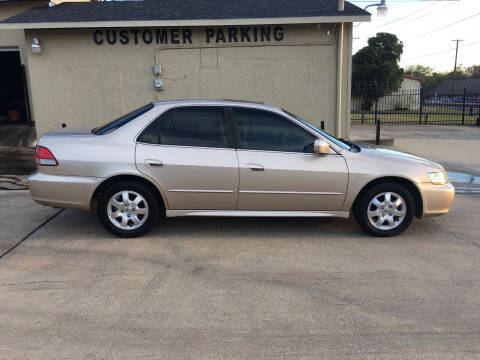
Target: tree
point(434, 78)
point(473, 71)
point(431, 77)
point(376, 67)
point(421, 71)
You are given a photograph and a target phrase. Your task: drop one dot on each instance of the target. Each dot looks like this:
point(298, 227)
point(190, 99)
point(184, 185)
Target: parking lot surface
point(210, 288)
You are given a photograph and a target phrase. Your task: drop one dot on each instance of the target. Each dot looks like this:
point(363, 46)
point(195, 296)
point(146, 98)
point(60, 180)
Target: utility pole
point(455, 68)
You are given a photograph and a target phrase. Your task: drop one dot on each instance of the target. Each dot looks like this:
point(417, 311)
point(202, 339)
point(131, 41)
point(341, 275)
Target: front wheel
point(128, 209)
point(385, 210)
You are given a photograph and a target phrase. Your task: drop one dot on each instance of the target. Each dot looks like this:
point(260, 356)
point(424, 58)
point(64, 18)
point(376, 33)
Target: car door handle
point(154, 163)
point(255, 167)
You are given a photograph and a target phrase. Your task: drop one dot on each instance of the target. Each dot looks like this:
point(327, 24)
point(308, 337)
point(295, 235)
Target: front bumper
point(63, 191)
point(437, 199)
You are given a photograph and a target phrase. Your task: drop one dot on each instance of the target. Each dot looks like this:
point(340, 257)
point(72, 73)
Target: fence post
point(377, 124)
point(476, 100)
point(421, 105)
point(464, 105)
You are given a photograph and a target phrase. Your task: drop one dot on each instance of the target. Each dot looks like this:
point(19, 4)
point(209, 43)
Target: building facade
point(93, 61)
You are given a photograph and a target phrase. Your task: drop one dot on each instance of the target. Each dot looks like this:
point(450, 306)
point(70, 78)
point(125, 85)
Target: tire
point(136, 216)
point(397, 214)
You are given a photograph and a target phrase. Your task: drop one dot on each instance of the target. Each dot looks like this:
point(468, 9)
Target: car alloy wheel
point(127, 210)
point(386, 211)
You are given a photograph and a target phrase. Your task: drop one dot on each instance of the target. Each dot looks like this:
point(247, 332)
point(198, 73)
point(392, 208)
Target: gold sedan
point(226, 158)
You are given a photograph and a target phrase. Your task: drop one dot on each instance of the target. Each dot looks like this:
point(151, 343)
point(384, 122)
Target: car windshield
point(341, 143)
point(117, 123)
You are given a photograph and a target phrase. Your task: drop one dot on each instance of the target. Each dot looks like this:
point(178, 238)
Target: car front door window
point(263, 130)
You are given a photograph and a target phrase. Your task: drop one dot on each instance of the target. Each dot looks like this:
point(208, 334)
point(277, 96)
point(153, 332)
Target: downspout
point(338, 127)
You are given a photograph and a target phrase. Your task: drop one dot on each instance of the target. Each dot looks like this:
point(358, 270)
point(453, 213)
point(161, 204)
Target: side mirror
point(321, 147)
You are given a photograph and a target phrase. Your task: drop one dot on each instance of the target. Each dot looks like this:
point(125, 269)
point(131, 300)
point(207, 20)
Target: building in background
point(407, 97)
point(90, 62)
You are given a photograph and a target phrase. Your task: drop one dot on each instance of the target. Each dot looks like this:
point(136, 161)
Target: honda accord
point(231, 158)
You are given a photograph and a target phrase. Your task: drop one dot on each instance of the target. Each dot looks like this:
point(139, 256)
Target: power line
point(422, 15)
point(441, 51)
point(472, 33)
point(430, 54)
point(394, 20)
point(398, 19)
point(470, 44)
point(444, 26)
point(413, 19)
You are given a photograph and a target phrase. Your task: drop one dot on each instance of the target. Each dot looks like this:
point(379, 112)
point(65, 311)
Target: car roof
point(203, 102)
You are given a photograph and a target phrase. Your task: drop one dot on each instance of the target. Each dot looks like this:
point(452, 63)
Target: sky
point(427, 28)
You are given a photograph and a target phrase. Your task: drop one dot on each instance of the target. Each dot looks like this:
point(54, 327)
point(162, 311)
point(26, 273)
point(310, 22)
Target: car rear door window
point(264, 130)
point(189, 126)
point(150, 134)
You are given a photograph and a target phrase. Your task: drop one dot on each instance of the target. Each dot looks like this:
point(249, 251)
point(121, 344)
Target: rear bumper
point(437, 199)
point(63, 191)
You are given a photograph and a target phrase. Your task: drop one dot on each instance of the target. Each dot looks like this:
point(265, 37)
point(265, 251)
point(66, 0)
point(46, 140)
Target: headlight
point(438, 178)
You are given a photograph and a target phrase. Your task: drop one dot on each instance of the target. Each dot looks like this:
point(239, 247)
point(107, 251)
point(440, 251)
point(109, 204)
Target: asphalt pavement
point(252, 288)
point(210, 288)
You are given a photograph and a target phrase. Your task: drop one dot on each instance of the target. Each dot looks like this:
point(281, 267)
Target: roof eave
point(199, 22)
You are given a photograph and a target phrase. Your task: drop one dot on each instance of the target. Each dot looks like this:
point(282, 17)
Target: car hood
point(379, 152)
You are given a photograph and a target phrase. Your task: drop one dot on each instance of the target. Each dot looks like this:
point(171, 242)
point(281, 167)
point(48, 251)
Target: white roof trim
point(179, 23)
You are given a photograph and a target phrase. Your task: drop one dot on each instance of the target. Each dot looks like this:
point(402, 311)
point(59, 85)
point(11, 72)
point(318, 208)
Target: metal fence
point(460, 107)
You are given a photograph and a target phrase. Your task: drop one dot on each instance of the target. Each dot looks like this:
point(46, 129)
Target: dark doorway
point(13, 95)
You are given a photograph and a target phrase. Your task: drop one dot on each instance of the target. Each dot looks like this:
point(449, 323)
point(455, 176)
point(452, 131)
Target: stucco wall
point(80, 83)
point(14, 38)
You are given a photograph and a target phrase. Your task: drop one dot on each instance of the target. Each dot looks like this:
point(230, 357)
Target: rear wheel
point(128, 209)
point(385, 210)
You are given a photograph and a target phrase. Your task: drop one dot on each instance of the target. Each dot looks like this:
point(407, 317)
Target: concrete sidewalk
point(20, 215)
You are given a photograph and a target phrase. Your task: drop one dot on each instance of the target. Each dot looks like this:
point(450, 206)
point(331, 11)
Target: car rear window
point(117, 123)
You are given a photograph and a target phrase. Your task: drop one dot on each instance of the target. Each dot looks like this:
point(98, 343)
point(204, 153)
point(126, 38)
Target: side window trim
point(233, 127)
point(294, 123)
point(138, 140)
point(232, 141)
point(230, 134)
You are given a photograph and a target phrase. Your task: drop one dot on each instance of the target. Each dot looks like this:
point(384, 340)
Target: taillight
point(44, 157)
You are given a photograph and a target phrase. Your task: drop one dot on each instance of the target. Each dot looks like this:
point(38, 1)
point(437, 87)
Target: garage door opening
point(14, 107)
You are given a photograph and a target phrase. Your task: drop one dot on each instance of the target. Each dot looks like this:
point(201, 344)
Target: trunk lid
point(70, 132)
